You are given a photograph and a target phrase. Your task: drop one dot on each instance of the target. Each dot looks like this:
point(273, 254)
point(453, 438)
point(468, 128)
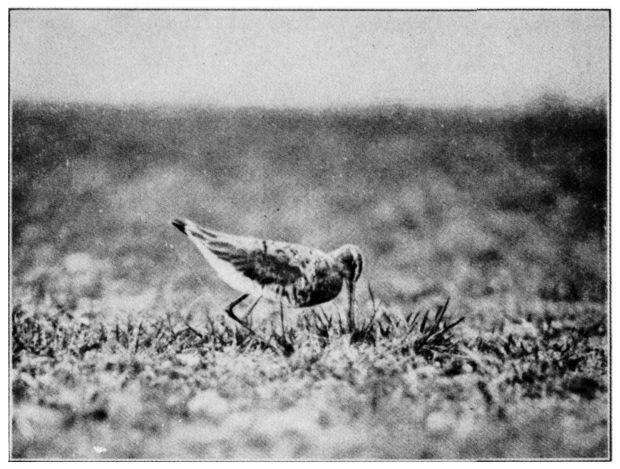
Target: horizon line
point(558, 97)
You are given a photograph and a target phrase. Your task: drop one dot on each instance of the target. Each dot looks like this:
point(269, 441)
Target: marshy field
point(482, 317)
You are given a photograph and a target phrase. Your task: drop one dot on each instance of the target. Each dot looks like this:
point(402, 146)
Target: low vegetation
point(403, 385)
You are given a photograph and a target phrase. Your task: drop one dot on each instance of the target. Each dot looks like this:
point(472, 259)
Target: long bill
point(351, 317)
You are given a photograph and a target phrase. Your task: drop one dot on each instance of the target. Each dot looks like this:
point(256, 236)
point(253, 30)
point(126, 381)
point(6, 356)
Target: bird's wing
point(265, 262)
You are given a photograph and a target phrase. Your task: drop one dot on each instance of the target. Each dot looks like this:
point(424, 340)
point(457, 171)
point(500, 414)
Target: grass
point(402, 385)
point(121, 347)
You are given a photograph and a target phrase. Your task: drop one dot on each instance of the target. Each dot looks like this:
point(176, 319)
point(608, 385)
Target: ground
point(121, 348)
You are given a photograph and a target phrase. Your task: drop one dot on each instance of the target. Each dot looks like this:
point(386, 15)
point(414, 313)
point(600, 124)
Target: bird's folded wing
point(263, 265)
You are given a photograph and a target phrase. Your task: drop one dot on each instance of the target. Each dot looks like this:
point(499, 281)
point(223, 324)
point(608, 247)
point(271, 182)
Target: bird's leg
point(351, 316)
point(287, 347)
point(282, 319)
point(230, 307)
point(247, 315)
point(232, 315)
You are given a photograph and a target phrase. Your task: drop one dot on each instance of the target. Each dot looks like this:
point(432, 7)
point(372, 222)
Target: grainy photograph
point(309, 235)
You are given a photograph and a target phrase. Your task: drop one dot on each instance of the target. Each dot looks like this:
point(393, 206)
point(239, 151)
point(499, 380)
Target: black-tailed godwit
point(292, 274)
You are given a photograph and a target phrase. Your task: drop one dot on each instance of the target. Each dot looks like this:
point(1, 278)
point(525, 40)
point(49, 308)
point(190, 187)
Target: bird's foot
point(285, 345)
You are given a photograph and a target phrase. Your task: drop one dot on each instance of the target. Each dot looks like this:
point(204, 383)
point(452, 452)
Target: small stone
point(437, 422)
point(209, 405)
point(189, 359)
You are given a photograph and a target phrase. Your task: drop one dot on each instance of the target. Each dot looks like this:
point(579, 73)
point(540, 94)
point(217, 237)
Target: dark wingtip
point(180, 224)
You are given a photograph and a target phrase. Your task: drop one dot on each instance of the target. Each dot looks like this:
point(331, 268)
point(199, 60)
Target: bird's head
point(349, 258)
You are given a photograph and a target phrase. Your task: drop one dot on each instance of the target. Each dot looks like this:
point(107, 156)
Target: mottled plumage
point(297, 275)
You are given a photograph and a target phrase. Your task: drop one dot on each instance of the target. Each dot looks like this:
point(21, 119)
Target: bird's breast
point(306, 292)
point(329, 289)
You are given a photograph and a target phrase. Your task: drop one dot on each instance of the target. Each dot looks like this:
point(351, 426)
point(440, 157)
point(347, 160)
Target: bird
point(292, 274)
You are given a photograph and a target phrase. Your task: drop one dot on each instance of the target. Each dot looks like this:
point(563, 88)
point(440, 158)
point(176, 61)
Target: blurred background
point(464, 152)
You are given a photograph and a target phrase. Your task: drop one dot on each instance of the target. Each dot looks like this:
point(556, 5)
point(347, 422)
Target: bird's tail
point(193, 230)
point(180, 224)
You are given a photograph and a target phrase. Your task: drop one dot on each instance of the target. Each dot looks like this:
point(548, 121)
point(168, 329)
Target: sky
point(308, 59)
